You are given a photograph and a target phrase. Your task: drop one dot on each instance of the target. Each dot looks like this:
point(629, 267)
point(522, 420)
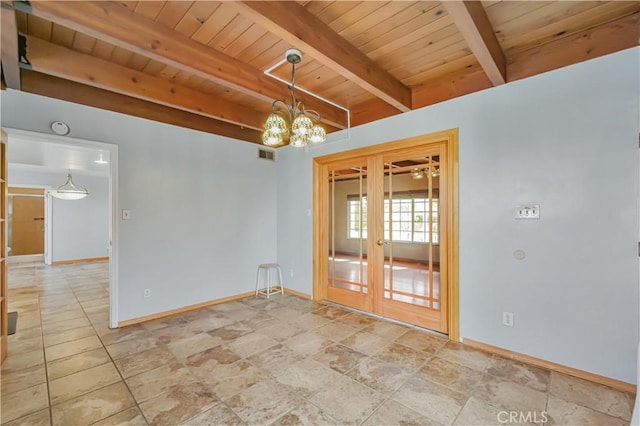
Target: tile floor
point(282, 361)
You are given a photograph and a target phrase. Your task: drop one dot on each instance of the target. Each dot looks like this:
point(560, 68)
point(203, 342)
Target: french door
point(384, 229)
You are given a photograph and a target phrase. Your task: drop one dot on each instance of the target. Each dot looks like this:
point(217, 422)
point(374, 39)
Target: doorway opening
point(386, 231)
point(34, 155)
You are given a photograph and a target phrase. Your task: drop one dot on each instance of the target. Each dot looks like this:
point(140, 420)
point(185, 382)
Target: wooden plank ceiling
point(200, 64)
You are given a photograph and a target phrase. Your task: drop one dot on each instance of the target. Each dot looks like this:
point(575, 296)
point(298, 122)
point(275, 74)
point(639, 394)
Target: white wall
point(567, 140)
point(80, 229)
point(203, 207)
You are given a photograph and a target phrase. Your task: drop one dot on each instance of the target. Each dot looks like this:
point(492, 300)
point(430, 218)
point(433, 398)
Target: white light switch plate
point(126, 214)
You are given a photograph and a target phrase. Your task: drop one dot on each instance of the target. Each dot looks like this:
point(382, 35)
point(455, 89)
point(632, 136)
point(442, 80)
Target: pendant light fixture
point(419, 173)
point(293, 123)
point(69, 190)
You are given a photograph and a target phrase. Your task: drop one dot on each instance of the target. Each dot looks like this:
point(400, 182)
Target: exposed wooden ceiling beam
point(49, 58)
point(53, 87)
point(114, 23)
point(295, 24)
point(623, 33)
point(375, 109)
point(471, 20)
point(454, 85)
point(9, 43)
point(602, 40)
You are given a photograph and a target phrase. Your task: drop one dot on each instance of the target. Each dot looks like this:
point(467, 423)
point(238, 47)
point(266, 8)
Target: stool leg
point(268, 282)
point(257, 281)
point(280, 278)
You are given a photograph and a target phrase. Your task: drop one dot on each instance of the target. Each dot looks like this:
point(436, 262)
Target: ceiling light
point(69, 191)
point(60, 128)
point(419, 173)
point(303, 126)
point(101, 160)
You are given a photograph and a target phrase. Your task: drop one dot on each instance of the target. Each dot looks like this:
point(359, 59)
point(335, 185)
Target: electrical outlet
point(507, 319)
point(147, 292)
point(291, 273)
point(529, 211)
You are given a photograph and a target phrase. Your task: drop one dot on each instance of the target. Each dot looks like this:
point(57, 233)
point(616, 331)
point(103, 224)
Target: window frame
point(415, 197)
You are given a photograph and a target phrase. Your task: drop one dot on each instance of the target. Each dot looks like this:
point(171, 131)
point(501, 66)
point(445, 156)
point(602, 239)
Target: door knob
point(381, 242)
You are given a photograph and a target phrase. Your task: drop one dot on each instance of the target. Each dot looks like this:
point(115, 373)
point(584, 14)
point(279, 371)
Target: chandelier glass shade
point(292, 122)
point(69, 190)
point(421, 172)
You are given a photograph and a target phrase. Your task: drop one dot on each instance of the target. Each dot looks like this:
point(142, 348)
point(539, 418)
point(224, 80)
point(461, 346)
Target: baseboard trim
point(297, 293)
point(184, 309)
point(83, 260)
point(596, 378)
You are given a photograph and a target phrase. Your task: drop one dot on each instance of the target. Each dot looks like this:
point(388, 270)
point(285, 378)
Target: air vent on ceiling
point(265, 154)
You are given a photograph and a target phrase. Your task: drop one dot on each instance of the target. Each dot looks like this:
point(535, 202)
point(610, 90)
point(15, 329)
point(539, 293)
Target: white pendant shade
point(69, 191)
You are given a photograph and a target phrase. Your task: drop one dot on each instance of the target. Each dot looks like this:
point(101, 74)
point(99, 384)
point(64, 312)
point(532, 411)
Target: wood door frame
point(449, 140)
point(4, 297)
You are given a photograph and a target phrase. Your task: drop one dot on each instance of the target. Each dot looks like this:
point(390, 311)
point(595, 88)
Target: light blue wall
point(80, 228)
point(203, 207)
point(205, 211)
point(567, 140)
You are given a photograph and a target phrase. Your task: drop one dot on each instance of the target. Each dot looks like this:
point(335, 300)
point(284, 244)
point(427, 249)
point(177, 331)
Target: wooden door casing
point(4, 324)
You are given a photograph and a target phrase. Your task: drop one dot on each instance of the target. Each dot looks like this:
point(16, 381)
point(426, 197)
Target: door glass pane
point(411, 231)
point(348, 228)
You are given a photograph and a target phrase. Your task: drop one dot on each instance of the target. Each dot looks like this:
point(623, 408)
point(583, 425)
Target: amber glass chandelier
point(293, 123)
point(421, 172)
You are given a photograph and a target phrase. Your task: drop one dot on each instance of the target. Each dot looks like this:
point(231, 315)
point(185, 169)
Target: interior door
point(385, 215)
point(414, 288)
point(348, 267)
point(26, 221)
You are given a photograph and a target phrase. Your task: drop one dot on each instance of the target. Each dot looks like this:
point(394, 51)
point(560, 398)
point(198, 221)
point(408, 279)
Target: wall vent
point(265, 154)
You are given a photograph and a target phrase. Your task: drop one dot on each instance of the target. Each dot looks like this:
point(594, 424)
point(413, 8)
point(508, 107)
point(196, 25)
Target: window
point(357, 221)
point(409, 215)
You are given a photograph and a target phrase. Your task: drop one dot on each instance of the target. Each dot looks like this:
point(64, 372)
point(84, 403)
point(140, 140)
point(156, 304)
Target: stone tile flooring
point(282, 361)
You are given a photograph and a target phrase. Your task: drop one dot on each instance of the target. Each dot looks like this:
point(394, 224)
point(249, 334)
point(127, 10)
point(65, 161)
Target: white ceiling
point(31, 153)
